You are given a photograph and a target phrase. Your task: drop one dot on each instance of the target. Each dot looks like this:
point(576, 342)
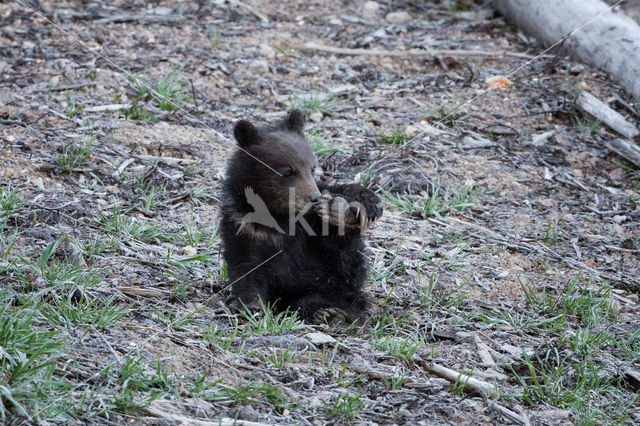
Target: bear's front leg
point(246, 294)
point(351, 205)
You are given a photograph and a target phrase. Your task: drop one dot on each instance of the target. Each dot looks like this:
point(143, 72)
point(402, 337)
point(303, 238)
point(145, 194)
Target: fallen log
point(594, 34)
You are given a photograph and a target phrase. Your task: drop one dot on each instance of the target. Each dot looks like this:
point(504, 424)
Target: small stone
point(556, 415)
point(248, 413)
point(315, 116)
point(411, 131)
point(380, 33)
point(540, 139)
point(267, 51)
point(189, 251)
point(476, 143)
point(260, 66)
point(370, 9)
point(398, 17)
point(320, 339)
point(616, 174)
point(37, 181)
point(576, 69)
point(547, 203)
point(619, 219)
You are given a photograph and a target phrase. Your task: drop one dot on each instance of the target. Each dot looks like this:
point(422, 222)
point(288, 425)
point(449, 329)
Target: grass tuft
point(28, 353)
point(395, 137)
point(441, 201)
point(266, 322)
point(75, 155)
point(314, 102)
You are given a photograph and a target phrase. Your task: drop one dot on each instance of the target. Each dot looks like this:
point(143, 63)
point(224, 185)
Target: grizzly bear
point(290, 239)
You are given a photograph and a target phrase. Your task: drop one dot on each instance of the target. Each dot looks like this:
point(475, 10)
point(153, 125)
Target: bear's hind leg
point(320, 308)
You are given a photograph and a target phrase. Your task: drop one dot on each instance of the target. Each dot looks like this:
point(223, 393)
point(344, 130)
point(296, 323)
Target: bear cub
point(289, 238)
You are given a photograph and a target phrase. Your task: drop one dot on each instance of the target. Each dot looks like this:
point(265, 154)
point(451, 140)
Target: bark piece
point(607, 115)
point(470, 383)
point(626, 149)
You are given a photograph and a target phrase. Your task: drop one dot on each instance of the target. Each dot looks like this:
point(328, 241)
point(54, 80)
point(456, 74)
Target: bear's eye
point(288, 172)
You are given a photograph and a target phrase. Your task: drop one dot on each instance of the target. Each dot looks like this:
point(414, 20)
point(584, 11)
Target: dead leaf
point(498, 82)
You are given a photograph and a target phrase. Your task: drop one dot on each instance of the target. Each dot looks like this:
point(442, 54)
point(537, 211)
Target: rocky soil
point(508, 256)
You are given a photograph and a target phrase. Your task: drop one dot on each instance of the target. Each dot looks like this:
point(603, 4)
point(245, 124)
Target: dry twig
point(414, 53)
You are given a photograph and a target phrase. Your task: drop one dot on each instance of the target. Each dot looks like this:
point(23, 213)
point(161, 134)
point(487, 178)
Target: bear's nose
point(315, 197)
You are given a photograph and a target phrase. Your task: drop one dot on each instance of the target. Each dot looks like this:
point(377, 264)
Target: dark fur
point(312, 273)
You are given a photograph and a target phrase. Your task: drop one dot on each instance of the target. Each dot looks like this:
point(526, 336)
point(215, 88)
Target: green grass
point(386, 267)
point(223, 337)
point(453, 237)
point(266, 322)
point(346, 407)
point(403, 348)
point(318, 143)
point(73, 310)
point(582, 384)
point(288, 54)
point(325, 365)
point(72, 107)
point(367, 177)
point(278, 358)
point(134, 383)
point(168, 92)
point(207, 389)
point(456, 5)
point(55, 271)
point(10, 203)
point(429, 296)
point(314, 102)
point(28, 353)
point(449, 116)
point(74, 155)
point(215, 37)
point(138, 112)
point(98, 246)
point(395, 382)
point(124, 226)
point(585, 306)
point(586, 126)
point(150, 201)
point(441, 201)
point(569, 371)
point(177, 321)
point(254, 393)
point(552, 235)
point(453, 259)
point(395, 137)
point(205, 237)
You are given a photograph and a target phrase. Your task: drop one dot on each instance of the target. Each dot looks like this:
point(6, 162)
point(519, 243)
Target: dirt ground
point(509, 248)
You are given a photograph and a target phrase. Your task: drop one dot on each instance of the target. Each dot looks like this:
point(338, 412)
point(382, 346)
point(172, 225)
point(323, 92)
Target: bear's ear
point(246, 133)
point(295, 121)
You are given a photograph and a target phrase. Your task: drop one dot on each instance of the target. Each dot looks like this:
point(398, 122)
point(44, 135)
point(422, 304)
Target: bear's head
point(277, 163)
